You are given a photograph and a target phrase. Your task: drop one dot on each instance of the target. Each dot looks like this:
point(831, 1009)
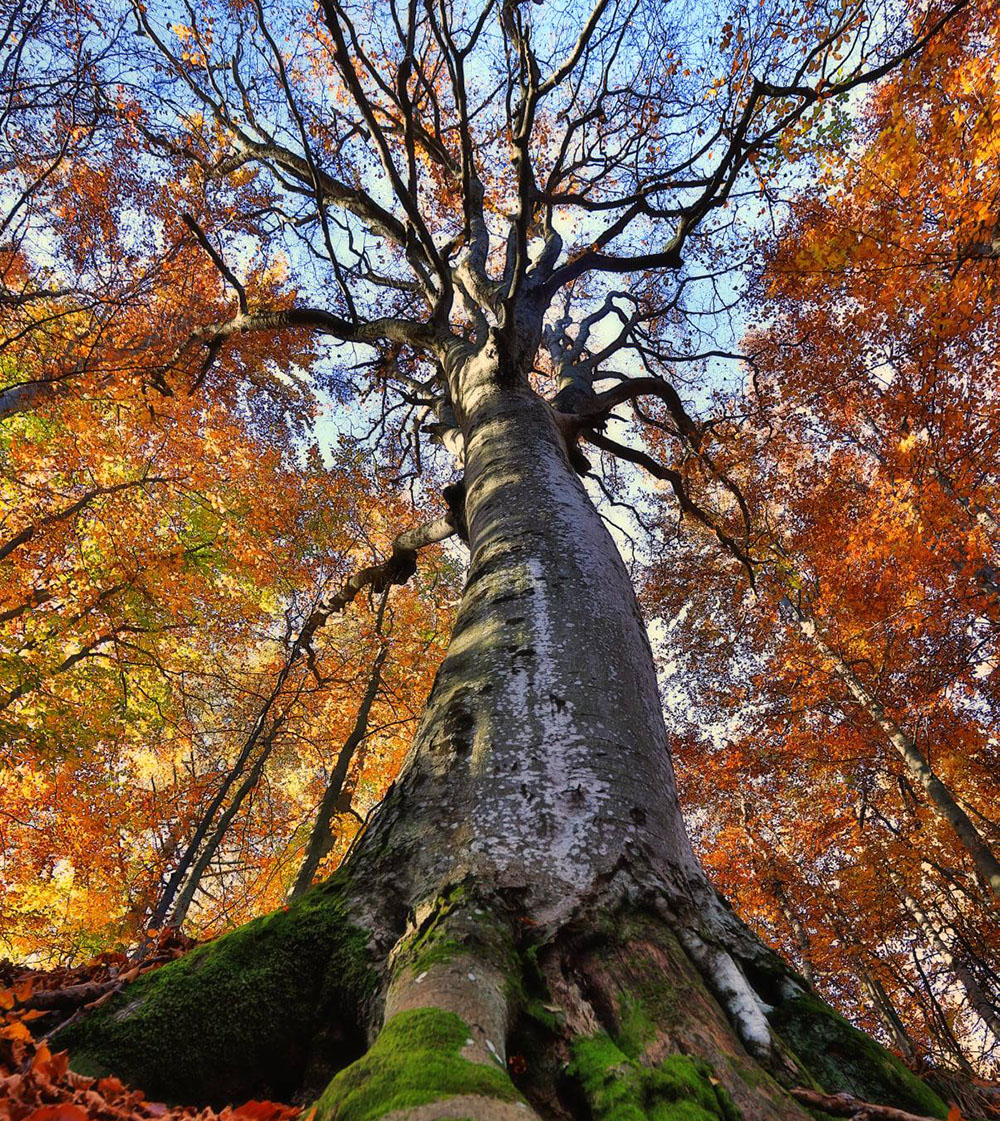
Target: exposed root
point(452, 996)
point(846, 1105)
point(746, 1010)
point(639, 1003)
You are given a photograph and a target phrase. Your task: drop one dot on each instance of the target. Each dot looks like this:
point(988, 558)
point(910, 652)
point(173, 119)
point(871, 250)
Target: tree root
point(479, 1004)
point(847, 1105)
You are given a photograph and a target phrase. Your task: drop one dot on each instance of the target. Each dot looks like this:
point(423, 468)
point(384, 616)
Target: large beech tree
point(493, 214)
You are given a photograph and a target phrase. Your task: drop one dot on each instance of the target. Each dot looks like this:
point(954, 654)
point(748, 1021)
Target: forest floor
point(37, 1085)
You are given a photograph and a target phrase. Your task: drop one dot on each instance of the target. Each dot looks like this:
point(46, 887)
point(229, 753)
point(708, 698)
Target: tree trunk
point(214, 842)
point(205, 822)
point(886, 1012)
point(803, 943)
point(981, 1004)
point(523, 929)
point(321, 837)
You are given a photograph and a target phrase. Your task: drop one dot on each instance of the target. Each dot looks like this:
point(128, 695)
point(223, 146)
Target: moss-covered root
point(267, 1011)
point(461, 959)
point(619, 1089)
point(840, 1058)
point(419, 1068)
point(648, 1001)
point(453, 993)
point(652, 1002)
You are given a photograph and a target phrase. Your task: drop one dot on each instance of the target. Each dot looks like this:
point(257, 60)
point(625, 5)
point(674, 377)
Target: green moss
point(433, 951)
point(415, 1060)
point(456, 922)
point(753, 1075)
point(840, 1058)
point(636, 1026)
point(547, 1016)
point(619, 1089)
point(243, 1016)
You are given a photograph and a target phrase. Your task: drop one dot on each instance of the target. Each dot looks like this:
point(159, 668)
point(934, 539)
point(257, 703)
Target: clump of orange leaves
point(37, 1084)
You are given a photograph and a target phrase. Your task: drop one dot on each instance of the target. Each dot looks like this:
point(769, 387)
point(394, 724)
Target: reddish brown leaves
point(37, 1085)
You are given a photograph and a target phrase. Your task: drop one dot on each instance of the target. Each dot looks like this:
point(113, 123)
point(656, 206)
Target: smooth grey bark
point(542, 752)
point(541, 765)
point(942, 800)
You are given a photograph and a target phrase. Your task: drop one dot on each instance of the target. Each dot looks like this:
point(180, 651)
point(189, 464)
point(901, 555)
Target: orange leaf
point(24, 989)
point(41, 1058)
point(264, 1111)
point(64, 1111)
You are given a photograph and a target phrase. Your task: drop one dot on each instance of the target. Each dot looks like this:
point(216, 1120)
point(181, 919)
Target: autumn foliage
point(855, 479)
point(175, 512)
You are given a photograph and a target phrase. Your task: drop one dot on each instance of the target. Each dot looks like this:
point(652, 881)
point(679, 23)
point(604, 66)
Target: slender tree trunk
point(887, 1013)
point(984, 1008)
point(173, 884)
point(802, 941)
point(321, 837)
point(941, 798)
point(212, 845)
point(943, 1029)
point(177, 877)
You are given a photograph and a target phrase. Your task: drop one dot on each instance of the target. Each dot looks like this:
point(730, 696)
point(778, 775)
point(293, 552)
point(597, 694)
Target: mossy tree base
point(839, 1056)
point(271, 1010)
point(416, 1060)
point(606, 1019)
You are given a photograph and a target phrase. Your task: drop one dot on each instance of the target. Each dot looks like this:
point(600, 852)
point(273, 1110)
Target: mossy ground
point(415, 1060)
point(258, 1012)
point(618, 1089)
point(840, 1058)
